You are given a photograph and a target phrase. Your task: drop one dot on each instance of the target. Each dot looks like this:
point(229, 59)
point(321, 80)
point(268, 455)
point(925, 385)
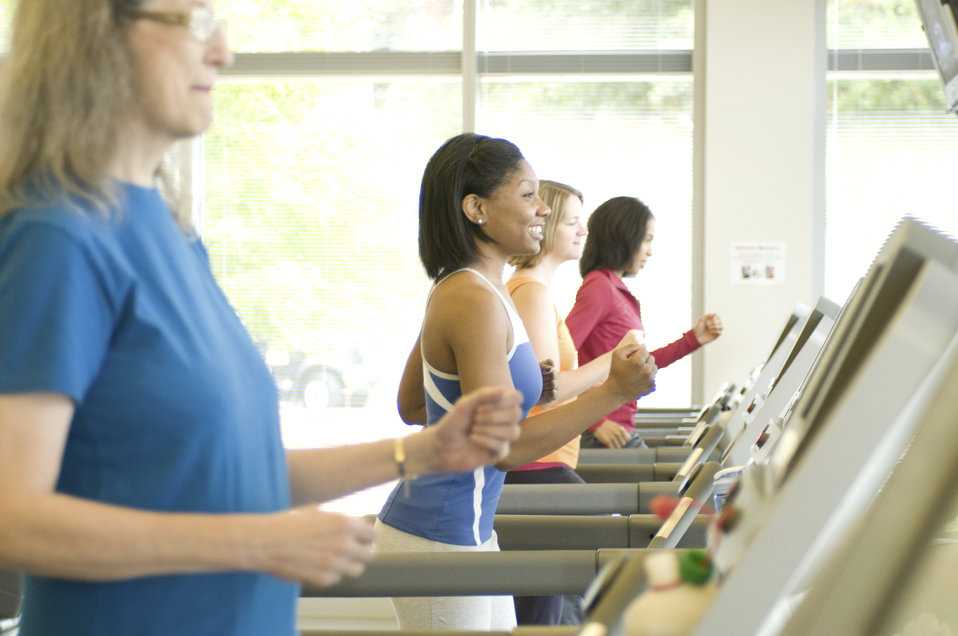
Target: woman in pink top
point(619, 244)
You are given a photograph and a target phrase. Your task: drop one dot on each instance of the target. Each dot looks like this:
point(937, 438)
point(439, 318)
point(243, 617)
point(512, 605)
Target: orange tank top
point(567, 454)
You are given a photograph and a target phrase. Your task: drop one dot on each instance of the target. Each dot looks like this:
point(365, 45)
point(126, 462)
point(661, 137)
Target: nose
point(218, 50)
point(544, 210)
point(580, 229)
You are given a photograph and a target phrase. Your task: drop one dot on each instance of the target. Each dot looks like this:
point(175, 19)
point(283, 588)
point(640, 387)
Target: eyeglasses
point(201, 21)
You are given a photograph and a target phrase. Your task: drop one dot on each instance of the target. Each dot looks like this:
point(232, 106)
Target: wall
point(761, 67)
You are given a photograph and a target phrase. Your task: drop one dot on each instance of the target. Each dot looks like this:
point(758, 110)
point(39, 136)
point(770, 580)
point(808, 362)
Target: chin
point(199, 122)
point(191, 129)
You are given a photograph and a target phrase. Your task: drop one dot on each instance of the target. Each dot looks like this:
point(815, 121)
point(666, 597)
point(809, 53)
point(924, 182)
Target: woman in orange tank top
point(531, 289)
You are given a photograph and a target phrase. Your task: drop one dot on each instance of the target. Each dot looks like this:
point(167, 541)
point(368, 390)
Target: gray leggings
point(445, 612)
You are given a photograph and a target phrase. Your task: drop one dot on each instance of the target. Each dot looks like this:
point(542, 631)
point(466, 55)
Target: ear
point(472, 208)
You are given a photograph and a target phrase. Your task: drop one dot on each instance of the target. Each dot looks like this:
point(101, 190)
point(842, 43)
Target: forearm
point(412, 415)
point(411, 400)
point(66, 537)
point(674, 351)
point(577, 381)
point(547, 431)
point(321, 474)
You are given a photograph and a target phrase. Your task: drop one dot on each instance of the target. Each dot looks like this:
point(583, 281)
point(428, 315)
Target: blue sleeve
point(55, 314)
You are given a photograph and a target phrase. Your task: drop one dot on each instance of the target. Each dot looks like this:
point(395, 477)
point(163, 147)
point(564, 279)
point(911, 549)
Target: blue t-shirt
point(175, 409)
point(459, 508)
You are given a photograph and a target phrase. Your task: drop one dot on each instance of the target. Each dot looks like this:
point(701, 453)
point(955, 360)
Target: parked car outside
point(333, 378)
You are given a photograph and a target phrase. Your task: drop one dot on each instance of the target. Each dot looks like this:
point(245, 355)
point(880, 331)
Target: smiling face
point(569, 232)
point(175, 73)
point(514, 215)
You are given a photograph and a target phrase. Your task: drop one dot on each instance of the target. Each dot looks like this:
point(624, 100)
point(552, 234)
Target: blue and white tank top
point(459, 508)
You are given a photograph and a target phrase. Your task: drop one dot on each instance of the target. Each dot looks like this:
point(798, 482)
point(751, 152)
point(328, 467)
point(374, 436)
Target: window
point(312, 170)
point(6, 17)
point(649, 26)
point(307, 184)
point(269, 26)
point(310, 220)
point(599, 96)
point(891, 147)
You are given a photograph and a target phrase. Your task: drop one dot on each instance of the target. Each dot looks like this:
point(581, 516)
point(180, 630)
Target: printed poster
point(758, 263)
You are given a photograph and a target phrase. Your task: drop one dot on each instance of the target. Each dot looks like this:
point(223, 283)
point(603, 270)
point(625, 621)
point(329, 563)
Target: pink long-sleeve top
point(604, 311)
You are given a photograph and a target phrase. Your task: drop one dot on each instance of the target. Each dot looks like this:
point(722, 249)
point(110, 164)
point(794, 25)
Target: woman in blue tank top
point(478, 206)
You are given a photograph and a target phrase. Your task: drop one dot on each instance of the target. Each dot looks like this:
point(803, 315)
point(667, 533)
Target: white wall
point(761, 71)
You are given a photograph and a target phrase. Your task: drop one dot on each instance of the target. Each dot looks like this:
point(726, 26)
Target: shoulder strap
point(515, 322)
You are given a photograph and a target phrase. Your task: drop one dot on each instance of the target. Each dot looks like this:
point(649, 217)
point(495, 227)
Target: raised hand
point(707, 328)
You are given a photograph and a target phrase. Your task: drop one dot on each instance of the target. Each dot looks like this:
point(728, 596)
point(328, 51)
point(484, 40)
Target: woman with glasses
point(144, 488)
point(478, 206)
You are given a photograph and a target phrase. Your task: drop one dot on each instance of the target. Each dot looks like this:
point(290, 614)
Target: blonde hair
point(66, 82)
point(554, 195)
